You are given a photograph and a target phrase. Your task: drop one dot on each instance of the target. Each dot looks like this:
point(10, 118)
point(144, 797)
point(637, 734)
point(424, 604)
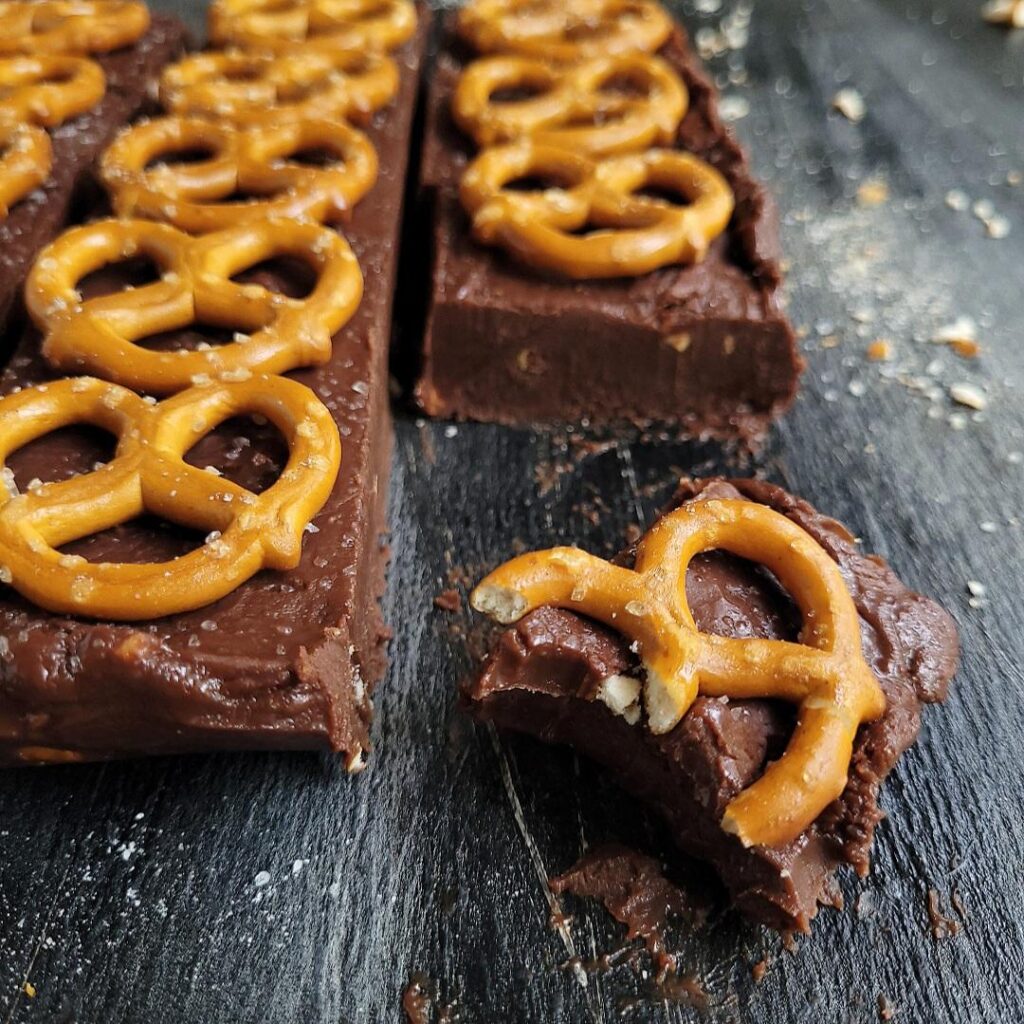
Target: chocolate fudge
point(77, 144)
point(704, 346)
point(288, 659)
point(545, 673)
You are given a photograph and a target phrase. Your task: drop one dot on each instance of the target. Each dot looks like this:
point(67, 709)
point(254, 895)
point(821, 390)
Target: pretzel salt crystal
point(379, 25)
point(70, 26)
point(148, 474)
point(631, 234)
point(257, 161)
point(578, 107)
point(48, 90)
point(274, 333)
point(26, 156)
point(309, 80)
point(825, 673)
point(555, 30)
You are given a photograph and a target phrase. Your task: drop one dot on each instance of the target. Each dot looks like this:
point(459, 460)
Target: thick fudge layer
point(543, 675)
point(289, 659)
point(77, 144)
point(706, 346)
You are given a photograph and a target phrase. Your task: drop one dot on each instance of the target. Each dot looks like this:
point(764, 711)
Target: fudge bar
point(77, 145)
point(559, 676)
point(288, 660)
point(706, 345)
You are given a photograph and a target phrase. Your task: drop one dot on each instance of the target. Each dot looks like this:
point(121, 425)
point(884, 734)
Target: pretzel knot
point(26, 157)
point(825, 673)
point(560, 31)
point(310, 80)
point(49, 90)
point(581, 107)
point(195, 196)
point(629, 234)
point(99, 335)
point(70, 26)
point(380, 25)
point(247, 531)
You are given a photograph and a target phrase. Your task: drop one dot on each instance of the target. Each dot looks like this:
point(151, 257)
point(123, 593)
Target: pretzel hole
point(627, 85)
point(187, 155)
point(61, 454)
point(539, 182)
point(285, 275)
point(316, 156)
point(247, 450)
point(138, 541)
point(520, 92)
point(195, 337)
point(664, 194)
point(115, 277)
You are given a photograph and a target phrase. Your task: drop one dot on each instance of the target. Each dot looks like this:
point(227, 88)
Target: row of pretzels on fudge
point(239, 121)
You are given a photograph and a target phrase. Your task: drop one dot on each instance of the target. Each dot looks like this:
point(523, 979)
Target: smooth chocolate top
point(544, 674)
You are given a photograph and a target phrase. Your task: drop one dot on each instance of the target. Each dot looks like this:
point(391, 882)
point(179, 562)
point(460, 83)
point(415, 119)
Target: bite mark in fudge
point(130, 74)
point(546, 676)
point(287, 660)
point(706, 346)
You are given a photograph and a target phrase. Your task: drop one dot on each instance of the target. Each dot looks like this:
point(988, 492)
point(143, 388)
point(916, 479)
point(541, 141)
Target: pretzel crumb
point(850, 104)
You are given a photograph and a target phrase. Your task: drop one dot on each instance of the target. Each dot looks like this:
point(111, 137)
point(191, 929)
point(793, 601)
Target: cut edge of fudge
point(545, 677)
point(506, 344)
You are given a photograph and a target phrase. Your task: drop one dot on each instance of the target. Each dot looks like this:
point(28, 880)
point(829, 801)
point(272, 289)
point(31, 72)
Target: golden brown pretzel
point(579, 107)
point(555, 30)
point(274, 333)
point(49, 89)
point(70, 26)
point(380, 25)
point(309, 80)
point(247, 532)
point(255, 161)
point(26, 157)
point(825, 674)
point(631, 234)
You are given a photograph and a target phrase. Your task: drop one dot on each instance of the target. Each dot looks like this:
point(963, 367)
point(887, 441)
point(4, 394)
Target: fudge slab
point(77, 144)
point(705, 346)
point(543, 675)
point(289, 659)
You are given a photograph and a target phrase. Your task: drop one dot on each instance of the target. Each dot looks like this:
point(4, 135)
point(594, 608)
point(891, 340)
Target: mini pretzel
point(247, 532)
point(309, 80)
point(255, 161)
point(631, 234)
point(49, 90)
point(572, 107)
point(99, 335)
point(825, 673)
point(380, 25)
point(26, 157)
point(70, 26)
point(555, 30)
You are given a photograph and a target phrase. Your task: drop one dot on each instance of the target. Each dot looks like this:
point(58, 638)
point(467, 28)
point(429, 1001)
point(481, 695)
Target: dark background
point(128, 892)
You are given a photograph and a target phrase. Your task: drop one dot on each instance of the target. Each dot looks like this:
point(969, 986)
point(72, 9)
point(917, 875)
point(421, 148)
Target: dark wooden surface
point(130, 892)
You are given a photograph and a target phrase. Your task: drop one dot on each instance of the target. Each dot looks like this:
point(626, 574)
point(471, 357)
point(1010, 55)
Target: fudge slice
point(288, 660)
point(549, 676)
point(706, 346)
point(131, 74)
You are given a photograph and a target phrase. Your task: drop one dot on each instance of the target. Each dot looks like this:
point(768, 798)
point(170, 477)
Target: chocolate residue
point(758, 970)
point(942, 927)
point(448, 600)
point(886, 1010)
point(421, 1002)
point(636, 893)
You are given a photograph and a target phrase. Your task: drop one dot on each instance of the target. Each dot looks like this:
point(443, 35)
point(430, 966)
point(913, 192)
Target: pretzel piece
point(554, 30)
point(630, 234)
point(26, 157)
point(580, 107)
point(309, 80)
point(379, 25)
point(49, 89)
point(256, 161)
point(274, 333)
point(825, 673)
point(70, 26)
point(247, 532)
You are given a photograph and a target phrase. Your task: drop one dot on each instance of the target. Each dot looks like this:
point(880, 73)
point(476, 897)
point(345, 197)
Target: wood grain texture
point(131, 892)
